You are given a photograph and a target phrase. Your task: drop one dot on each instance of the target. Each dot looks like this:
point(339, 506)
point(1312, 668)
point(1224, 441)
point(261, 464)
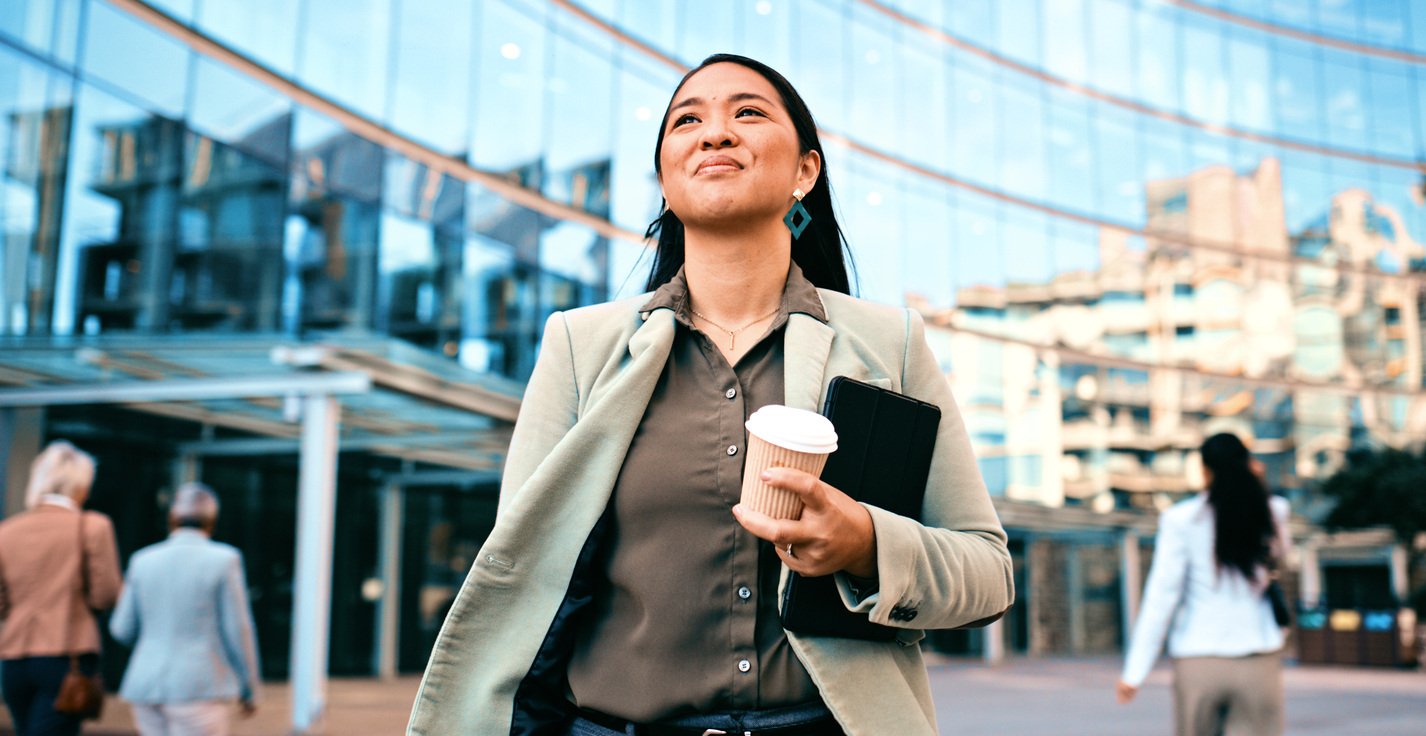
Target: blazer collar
point(806, 349)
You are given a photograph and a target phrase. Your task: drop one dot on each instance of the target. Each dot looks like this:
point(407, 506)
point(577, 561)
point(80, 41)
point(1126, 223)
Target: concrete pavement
point(1023, 697)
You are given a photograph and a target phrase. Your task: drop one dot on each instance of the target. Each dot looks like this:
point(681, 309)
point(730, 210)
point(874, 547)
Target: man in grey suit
point(185, 611)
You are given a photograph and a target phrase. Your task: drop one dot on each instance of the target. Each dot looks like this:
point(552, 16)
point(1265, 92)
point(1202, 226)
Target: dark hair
point(819, 252)
point(1243, 525)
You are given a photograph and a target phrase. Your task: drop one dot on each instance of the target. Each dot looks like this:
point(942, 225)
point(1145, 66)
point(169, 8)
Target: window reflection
point(510, 78)
point(431, 83)
point(265, 30)
point(333, 30)
point(35, 129)
point(332, 227)
point(120, 49)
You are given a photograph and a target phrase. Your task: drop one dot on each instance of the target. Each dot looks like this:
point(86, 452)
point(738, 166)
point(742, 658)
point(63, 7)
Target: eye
point(684, 119)
point(749, 111)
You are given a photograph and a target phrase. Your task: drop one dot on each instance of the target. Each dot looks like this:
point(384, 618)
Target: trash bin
point(1362, 637)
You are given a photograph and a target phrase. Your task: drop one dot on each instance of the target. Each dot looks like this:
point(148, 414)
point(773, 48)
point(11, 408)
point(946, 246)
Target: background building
point(1135, 222)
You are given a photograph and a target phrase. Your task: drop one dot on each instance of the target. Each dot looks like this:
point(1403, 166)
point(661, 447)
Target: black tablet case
point(885, 441)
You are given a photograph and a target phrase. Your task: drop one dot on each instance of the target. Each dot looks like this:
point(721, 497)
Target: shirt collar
point(58, 499)
point(798, 295)
point(187, 533)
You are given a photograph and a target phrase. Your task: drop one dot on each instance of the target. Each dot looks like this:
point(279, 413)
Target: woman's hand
point(835, 533)
point(1124, 692)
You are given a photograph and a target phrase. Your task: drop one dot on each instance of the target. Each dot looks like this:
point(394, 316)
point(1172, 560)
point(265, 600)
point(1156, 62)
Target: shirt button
point(744, 593)
point(744, 665)
point(730, 393)
point(732, 449)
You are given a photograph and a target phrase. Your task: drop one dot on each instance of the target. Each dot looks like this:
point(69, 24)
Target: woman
point(622, 586)
point(1211, 567)
point(45, 597)
point(185, 612)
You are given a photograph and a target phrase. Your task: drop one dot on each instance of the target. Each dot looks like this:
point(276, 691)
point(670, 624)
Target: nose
point(717, 134)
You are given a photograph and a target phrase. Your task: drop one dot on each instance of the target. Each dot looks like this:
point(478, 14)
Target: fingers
point(812, 491)
point(780, 532)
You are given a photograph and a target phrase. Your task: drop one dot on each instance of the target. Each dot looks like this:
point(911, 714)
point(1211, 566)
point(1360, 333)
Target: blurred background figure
point(185, 611)
point(1213, 559)
point(57, 562)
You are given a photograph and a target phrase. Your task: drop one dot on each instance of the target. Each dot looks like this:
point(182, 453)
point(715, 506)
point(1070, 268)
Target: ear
point(808, 169)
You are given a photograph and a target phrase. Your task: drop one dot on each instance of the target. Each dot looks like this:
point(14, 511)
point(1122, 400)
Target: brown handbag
point(80, 695)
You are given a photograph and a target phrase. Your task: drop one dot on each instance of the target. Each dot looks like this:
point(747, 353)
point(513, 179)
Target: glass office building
point(1131, 223)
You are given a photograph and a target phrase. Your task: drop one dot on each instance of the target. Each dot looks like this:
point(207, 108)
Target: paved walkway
point(1053, 697)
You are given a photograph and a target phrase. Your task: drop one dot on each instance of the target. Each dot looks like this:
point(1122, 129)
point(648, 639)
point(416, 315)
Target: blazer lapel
point(807, 345)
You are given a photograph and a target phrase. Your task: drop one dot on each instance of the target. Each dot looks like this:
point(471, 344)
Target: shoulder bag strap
point(83, 593)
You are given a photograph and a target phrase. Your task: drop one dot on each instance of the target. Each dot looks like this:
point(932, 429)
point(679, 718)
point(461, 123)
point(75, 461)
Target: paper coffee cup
point(783, 437)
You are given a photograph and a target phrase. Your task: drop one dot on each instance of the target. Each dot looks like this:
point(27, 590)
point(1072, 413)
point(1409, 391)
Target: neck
point(737, 278)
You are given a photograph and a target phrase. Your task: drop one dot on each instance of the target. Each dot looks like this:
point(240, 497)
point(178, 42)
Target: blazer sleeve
point(547, 411)
point(102, 554)
point(951, 568)
point(124, 624)
point(1162, 595)
point(235, 621)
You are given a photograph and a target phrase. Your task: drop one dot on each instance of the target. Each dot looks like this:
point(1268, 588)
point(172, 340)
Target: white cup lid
point(798, 430)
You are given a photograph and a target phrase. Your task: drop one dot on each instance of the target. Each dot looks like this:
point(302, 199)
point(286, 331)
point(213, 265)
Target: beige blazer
point(41, 613)
point(597, 369)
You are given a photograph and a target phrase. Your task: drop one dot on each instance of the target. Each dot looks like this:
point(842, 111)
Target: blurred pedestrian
point(1213, 557)
point(185, 611)
point(57, 564)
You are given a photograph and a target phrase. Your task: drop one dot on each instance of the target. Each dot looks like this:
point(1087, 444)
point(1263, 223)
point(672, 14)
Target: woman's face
point(730, 152)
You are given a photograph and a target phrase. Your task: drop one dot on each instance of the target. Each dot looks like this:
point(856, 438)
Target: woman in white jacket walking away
point(1206, 595)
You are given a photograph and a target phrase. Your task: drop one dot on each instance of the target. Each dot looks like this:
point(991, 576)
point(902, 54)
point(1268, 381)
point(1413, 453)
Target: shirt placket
point(743, 570)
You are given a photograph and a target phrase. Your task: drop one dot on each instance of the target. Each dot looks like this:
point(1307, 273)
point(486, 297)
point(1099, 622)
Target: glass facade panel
point(29, 22)
point(1112, 53)
point(977, 123)
point(874, 84)
point(580, 134)
point(332, 227)
point(1066, 44)
point(1157, 47)
point(34, 157)
point(120, 218)
point(265, 30)
point(510, 74)
point(333, 28)
point(1297, 85)
point(1253, 89)
point(431, 77)
point(136, 59)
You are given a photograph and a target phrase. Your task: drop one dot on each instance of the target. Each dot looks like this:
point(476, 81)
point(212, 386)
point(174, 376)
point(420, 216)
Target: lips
point(717, 164)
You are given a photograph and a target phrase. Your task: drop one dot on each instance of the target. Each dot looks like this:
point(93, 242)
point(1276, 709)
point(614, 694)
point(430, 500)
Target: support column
point(187, 468)
point(993, 637)
point(1130, 586)
point(1309, 573)
point(388, 608)
point(312, 583)
point(1074, 574)
point(21, 431)
point(1400, 585)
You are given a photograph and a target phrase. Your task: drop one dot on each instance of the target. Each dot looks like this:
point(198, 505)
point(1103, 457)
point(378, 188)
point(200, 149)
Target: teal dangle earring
point(797, 211)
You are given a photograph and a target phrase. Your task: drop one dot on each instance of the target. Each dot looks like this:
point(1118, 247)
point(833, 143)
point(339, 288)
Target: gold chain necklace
point(732, 334)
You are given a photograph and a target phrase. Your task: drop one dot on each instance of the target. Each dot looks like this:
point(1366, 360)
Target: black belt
point(818, 726)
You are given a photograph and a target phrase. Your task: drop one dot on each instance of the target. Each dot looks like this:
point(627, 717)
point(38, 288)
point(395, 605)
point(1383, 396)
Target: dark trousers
point(30, 686)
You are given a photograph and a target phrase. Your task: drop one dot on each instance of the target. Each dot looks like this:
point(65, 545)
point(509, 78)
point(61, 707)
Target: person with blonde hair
point(57, 564)
point(185, 611)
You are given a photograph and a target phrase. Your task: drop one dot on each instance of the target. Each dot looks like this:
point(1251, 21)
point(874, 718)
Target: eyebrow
point(736, 97)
